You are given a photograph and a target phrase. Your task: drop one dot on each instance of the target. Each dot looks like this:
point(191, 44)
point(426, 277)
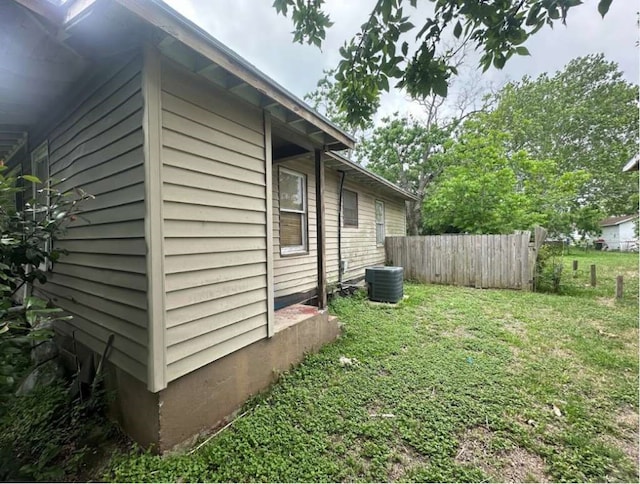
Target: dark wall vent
point(385, 283)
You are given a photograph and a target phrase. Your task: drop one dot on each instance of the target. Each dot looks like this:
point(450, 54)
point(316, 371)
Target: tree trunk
point(414, 218)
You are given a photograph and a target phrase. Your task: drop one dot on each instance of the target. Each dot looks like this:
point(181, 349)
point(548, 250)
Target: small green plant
point(548, 268)
point(47, 436)
point(27, 252)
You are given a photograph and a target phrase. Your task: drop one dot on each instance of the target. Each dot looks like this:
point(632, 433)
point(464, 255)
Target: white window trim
point(378, 244)
point(296, 249)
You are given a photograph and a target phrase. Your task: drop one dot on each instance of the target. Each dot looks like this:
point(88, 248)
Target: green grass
point(454, 384)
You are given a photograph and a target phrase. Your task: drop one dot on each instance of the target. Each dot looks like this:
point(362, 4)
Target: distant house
point(221, 204)
point(619, 232)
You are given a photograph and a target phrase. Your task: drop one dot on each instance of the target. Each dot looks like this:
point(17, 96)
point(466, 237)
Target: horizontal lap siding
point(98, 146)
point(295, 273)
point(358, 244)
point(214, 210)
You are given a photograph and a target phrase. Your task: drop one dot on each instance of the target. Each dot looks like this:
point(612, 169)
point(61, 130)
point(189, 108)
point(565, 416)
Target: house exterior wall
point(619, 236)
point(611, 236)
point(627, 234)
point(359, 248)
point(297, 273)
point(96, 143)
point(214, 200)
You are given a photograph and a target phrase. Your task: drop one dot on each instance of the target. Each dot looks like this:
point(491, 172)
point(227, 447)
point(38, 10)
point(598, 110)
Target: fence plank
point(481, 261)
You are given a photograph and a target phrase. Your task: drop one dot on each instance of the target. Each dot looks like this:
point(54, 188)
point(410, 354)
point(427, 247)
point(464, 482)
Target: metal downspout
point(343, 174)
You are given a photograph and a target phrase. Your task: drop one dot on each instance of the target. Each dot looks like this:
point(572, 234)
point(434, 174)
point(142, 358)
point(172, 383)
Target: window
point(349, 208)
point(293, 211)
point(379, 223)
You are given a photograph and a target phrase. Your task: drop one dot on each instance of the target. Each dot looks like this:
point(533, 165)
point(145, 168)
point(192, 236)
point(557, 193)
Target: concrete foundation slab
point(210, 396)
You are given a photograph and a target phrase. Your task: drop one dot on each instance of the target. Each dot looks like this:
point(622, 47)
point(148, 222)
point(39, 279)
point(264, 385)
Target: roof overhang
point(75, 23)
point(356, 173)
point(194, 48)
point(360, 174)
point(613, 221)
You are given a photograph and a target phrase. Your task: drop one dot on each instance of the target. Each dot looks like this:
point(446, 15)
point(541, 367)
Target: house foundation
point(209, 397)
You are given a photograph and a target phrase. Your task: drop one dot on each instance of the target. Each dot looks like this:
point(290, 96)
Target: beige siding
point(98, 145)
point(214, 209)
point(297, 273)
point(358, 244)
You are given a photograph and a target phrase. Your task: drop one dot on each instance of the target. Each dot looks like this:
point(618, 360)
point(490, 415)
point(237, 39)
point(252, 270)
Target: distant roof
point(610, 221)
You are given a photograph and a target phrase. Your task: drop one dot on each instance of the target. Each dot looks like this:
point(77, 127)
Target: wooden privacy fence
point(482, 261)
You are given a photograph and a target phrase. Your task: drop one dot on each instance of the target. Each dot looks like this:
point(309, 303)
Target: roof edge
point(612, 221)
point(162, 16)
point(355, 166)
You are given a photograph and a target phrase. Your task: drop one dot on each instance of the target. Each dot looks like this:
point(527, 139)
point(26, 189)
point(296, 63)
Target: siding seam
point(269, 227)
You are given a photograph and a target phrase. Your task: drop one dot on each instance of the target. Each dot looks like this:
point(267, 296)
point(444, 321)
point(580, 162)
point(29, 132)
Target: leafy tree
point(378, 53)
point(324, 100)
point(405, 150)
point(584, 117)
point(487, 189)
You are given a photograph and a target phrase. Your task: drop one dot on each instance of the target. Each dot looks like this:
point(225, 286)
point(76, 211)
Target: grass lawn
point(453, 384)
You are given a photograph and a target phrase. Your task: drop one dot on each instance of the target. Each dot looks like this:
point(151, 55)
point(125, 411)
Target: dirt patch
point(405, 459)
point(627, 421)
point(523, 466)
point(606, 301)
point(628, 418)
point(516, 327)
point(514, 465)
point(459, 333)
point(559, 352)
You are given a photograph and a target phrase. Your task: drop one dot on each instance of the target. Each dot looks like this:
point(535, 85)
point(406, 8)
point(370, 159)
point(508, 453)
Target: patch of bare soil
point(627, 420)
point(459, 333)
point(606, 301)
point(515, 465)
point(516, 327)
point(559, 352)
point(406, 459)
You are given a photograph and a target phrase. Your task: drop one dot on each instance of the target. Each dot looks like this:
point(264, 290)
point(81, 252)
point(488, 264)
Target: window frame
point(292, 250)
point(380, 223)
point(344, 218)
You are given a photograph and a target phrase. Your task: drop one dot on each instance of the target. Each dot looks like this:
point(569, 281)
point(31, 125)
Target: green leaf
point(522, 50)
point(440, 87)
point(31, 178)
point(405, 27)
point(457, 30)
point(383, 84)
point(603, 7)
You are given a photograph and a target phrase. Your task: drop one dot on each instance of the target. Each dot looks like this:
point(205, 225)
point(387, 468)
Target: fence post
point(619, 287)
point(593, 275)
point(575, 268)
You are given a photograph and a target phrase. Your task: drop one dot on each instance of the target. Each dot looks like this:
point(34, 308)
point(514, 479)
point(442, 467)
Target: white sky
point(254, 30)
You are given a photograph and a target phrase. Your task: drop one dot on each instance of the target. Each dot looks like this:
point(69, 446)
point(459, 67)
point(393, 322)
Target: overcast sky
point(254, 30)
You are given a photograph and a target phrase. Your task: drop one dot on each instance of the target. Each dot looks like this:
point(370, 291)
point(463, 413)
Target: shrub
point(26, 253)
